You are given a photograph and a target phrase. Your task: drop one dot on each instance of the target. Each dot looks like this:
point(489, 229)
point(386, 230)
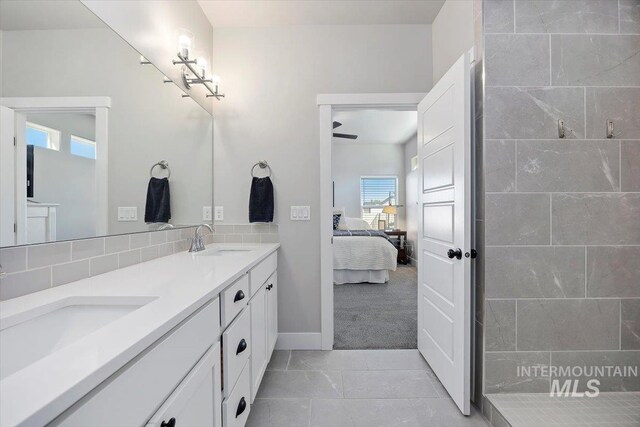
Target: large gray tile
point(139, 240)
point(516, 372)
point(589, 361)
point(568, 166)
point(500, 324)
point(395, 360)
point(593, 60)
point(13, 259)
point(128, 258)
point(535, 272)
point(517, 219)
point(630, 324)
point(613, 271)
point(148, 253)
point(630, 166)
point(301, 384)
point(86, 248)
point(48, 254)
point(596, 219)
point(390, 412)
point(617, 104)
point(104, 264)
point(327, 360)
point(516, 60)
point(387, 384)
point(115, 244)
point(566, 16)
point(500, 165)
point(279, 360)
point(71, 272)
point(629, 16)
point(533, 113)
point(17, 284)
point(279, 413)
point(574, 324)
point(498, 16)
point(157, 238)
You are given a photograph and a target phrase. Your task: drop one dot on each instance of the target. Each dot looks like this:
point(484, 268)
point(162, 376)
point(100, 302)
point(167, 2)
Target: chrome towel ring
point(263, 165)
point(163, 165)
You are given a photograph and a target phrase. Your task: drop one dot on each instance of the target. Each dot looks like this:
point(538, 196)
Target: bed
point(362, 256)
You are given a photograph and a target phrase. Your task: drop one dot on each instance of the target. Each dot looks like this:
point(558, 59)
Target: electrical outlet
point(219, 211)
point(127, 213)
point(206, 213)
point(300, 213)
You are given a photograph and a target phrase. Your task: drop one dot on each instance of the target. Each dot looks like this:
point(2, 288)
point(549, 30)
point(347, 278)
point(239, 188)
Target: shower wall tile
point(617, 104)
point(588, 360)
point(595, 60)
point(613, 271)
point(568, 166)
point(498, 16)
point(500, 324)
point(630, 325)
point(500, 167)
point(629, 16)
point(533, 112)
point(566, 16)
point(571, 324)
point(630, 173)
point(535, 272)
point(517, 219)
point(503, 376)
point(516, 59)
point(596, 219)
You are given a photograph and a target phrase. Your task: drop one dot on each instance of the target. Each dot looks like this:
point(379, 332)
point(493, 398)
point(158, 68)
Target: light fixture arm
point(194, 77)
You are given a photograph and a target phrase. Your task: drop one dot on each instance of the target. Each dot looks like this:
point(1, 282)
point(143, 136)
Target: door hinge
point(15, 227)
point(15, 141)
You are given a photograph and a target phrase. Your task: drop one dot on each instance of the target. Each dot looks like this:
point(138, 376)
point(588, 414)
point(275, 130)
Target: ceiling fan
point(342, 135)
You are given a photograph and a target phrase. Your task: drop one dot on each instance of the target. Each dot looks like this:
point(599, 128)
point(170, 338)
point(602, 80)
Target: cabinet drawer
point(236, 349)
point(234, 299)
point(235, 408)
point(131, 396)
point(261, 272)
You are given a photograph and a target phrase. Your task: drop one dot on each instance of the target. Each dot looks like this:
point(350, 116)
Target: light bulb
point(202, 63)
point(215, 79)
point(185, 43)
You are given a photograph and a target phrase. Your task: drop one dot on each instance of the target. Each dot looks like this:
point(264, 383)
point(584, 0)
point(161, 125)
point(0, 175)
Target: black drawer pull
point(241, 407)
point(242, 346)
point(170, 423)
point(239, 296)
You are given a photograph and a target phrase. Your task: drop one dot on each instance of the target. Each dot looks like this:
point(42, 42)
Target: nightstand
point(400, 238)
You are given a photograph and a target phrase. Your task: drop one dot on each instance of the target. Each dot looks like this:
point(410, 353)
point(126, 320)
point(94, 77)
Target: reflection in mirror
point(90, 122)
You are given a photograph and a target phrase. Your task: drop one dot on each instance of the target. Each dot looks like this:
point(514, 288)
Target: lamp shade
point(390, 210)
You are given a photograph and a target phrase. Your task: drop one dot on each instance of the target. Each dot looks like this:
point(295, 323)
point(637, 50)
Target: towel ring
point(263, 165)
point(163, 165)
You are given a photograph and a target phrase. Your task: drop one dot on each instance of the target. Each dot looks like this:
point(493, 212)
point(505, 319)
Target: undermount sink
point(30, 336)
point(226, 251)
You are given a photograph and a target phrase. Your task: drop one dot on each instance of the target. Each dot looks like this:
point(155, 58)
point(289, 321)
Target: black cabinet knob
point(457, 253)
point(242, 346)
point(241, 407)
point(170, 423)
point(239, 296)
point(270, 287)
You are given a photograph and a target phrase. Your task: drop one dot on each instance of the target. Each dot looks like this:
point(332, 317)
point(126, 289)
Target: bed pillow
point(342, 217)
point(336, 220)
point(354, 224)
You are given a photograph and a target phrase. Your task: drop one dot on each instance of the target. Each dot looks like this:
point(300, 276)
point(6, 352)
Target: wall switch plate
point(300, 213)
point(219, 213)
point(127, 213)
point(206, 213)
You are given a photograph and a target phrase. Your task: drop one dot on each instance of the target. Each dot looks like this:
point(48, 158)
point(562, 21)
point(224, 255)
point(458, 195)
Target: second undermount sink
point(28, 337)
point(231, 250)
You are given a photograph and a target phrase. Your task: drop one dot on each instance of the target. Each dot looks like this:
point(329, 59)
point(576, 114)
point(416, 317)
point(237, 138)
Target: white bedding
point(363, 253)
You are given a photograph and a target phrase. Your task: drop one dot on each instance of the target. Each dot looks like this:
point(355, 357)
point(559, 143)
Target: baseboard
point(299, 341)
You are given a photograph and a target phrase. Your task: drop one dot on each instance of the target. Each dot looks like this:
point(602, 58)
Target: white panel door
point(444, 285)
point(7, 177)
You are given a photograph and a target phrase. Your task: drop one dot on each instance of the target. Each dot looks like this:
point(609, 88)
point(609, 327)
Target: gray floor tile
point(279, 413)
point(388, 384)
point(388, 413)
point(279, 360)
point(301, 384)
point(395, 360)
point(328, 360)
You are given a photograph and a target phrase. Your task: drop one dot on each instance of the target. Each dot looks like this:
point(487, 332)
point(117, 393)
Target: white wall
point(411, 190)
point(452, 35)
point(350, 161)
point(271, 77)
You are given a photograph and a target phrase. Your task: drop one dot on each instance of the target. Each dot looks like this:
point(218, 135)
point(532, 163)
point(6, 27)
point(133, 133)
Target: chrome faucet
point(197, 244)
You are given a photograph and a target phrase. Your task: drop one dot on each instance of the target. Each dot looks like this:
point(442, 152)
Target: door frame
point(327, 104)
point(97, 105)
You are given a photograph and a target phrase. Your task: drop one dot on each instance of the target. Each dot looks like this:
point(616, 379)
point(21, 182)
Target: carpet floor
point(377, 316)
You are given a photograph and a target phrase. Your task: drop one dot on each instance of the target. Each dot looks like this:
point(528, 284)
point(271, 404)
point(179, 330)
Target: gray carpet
point(376, 316)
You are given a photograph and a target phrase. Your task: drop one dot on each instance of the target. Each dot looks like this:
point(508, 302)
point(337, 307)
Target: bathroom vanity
point(183, 340)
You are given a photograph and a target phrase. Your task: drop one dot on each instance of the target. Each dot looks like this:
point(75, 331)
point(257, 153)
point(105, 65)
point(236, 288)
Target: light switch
point(219, 213)
point(300, 213)
point(127, 213)
point(206, 213)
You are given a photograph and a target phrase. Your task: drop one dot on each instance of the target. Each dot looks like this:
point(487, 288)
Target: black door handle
point(270, 287)
point(454, 253)
point(239, 296)
point(170, 423)
point(241, 407)
point(242, 346)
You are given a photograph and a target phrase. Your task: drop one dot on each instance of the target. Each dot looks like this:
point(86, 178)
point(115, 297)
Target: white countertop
point(180, 284)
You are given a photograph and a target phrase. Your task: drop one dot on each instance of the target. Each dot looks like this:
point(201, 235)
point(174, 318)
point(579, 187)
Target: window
point(42, 136)
point(83, 147)
point(376, 193)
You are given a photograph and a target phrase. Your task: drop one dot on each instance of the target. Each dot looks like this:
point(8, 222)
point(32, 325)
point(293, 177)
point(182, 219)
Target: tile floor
point(540, 409)
point(354, 388)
